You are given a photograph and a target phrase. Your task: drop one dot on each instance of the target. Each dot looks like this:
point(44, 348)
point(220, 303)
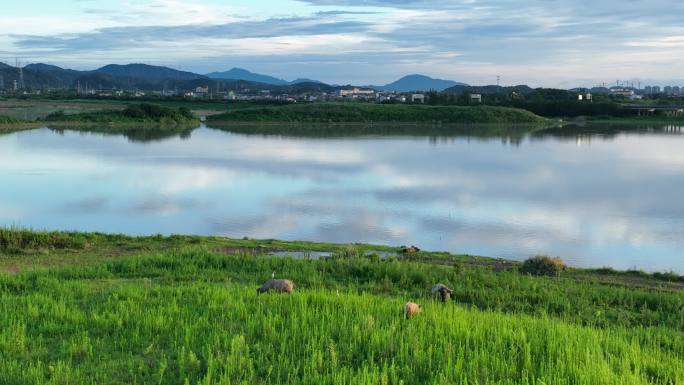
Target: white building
point(626, 92)
point(417, 98)
point(356, 93)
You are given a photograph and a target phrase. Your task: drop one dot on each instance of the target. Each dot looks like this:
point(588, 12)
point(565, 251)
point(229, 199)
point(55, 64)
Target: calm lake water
point(596, 198)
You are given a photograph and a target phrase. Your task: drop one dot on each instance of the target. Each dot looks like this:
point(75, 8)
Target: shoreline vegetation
point(20, 242)
point(103, 308)
point(11, 124)
point(143, 122)
point(144, 113)
point(287, 119)
point(133, 115)
point(377, 113)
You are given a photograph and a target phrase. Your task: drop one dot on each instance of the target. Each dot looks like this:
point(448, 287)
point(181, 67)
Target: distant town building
point(417, 98)
point(356, 92)
point(202, 91)
point(619, 91)
point(668, 90)
point(476, 98)
point(676, 91)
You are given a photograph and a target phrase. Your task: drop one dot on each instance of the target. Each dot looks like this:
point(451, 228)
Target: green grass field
point(106, 309)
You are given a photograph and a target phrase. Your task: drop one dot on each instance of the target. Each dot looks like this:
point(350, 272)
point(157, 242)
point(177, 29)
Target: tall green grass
point(141, 332)
point(15, 240)
point(582, 302)
point(180, 312)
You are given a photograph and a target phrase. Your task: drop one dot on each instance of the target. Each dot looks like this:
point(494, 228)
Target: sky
point(552, 43)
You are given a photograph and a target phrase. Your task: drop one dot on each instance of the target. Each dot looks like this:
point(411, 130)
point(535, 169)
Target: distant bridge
point(650, 110)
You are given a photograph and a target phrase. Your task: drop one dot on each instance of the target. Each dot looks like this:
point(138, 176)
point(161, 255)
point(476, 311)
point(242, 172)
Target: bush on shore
point(543, 265)
point(143, 113)
point(4, 119)
point(16, 241)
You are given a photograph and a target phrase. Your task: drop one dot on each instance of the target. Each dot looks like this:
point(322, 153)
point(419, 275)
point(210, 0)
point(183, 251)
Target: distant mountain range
point(148, 77)
point(243, 74)
point(419, 83)
point(492, 89)
point(147, 72)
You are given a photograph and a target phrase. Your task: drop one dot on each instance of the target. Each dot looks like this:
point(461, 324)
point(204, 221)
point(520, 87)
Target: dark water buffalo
point(277, 285)
point(442, 291)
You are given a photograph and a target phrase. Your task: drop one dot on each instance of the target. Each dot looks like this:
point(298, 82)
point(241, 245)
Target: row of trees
point(544, 102)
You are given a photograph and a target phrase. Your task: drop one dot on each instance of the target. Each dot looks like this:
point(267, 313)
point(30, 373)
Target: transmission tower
point(21, 73)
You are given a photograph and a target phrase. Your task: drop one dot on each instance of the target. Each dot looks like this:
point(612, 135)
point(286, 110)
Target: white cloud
point(563, 43)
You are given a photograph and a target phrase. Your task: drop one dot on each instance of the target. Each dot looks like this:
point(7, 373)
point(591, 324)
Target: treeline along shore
point(90, 308)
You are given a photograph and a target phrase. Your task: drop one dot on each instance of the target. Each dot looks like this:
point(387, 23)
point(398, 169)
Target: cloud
point(339, 13)
point(93, 205)
point(121, 37)
point(162, 205)
point(552, 43)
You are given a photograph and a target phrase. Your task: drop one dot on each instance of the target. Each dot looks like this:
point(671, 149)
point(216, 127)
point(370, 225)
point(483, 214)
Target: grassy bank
point(95, 308)
point(370, 112)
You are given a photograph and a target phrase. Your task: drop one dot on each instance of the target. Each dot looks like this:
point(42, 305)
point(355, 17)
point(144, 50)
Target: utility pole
point(498, 80)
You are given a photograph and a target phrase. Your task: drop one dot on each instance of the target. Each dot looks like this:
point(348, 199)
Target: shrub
point(15, 240)
point(149, 113)
point(543, 265)
point(57, 115)
point(9, 120)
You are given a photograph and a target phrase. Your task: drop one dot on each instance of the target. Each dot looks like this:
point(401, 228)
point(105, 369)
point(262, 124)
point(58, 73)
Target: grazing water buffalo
point(277, 285)
point(411, 309)
point(442, 291)
point(409, 249)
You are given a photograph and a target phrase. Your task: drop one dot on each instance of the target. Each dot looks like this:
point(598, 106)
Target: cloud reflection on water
point(613, 202)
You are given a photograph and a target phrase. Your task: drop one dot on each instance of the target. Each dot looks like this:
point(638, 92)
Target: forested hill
point(135, 77)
